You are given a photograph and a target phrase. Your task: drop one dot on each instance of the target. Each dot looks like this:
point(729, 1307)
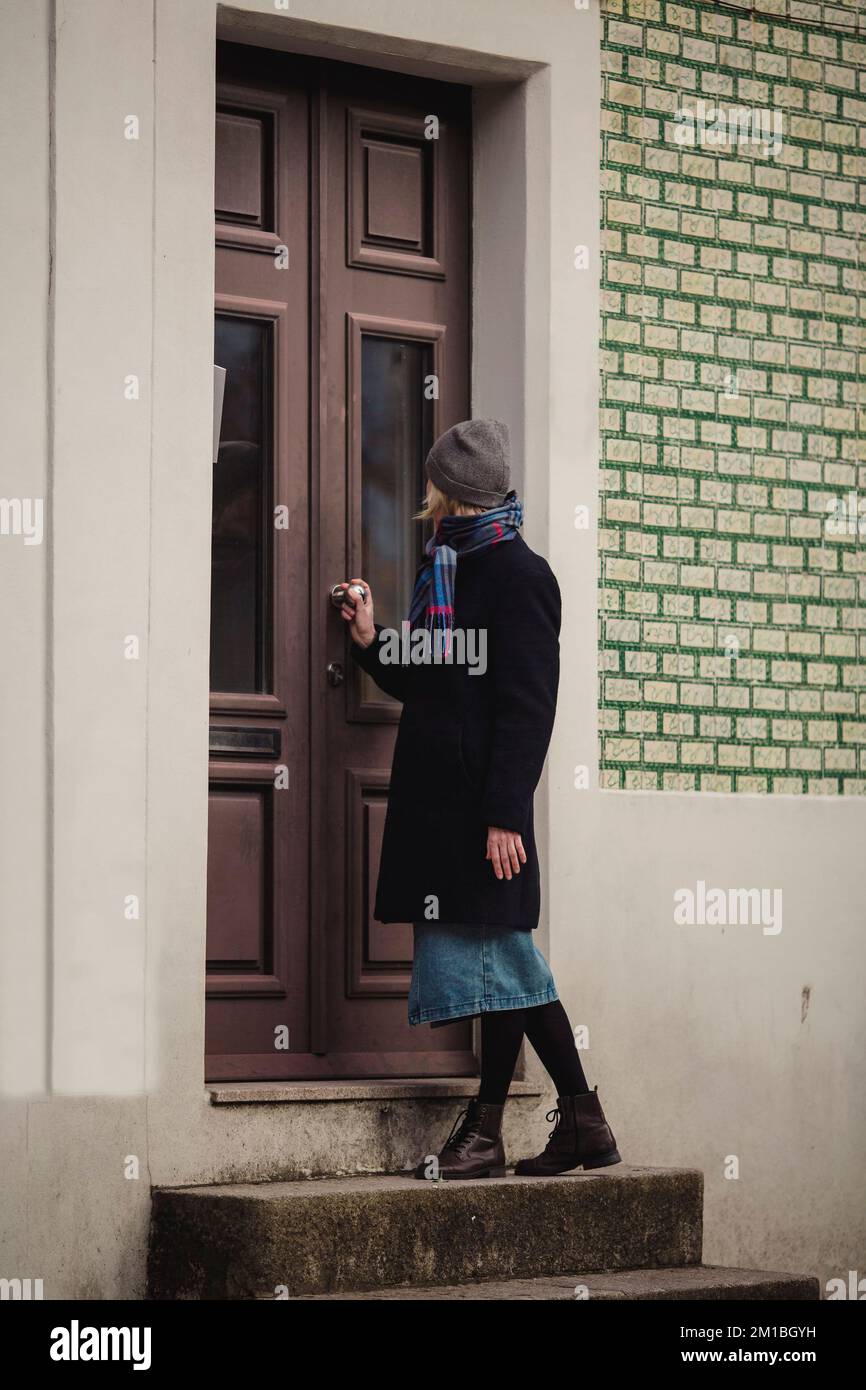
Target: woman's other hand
point(358, 613)
point(505, 850)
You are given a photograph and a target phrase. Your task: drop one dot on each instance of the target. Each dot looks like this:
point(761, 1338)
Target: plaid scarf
point(433, 596)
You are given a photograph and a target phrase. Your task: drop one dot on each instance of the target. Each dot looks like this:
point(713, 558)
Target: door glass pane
point(396, 435)
point(241, 507)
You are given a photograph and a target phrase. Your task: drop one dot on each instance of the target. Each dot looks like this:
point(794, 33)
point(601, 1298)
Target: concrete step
point(685, 1283)
point(336, 1235)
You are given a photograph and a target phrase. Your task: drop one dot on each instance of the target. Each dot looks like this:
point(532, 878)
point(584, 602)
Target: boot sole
point(464, 1177)
point(601, 1161)
point(485, 1173)
point(605, 1161)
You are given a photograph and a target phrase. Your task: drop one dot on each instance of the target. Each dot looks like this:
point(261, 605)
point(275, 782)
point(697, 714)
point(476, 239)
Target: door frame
point(509, 312)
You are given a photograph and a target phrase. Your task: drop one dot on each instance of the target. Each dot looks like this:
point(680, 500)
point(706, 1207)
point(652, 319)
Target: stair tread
point(372, 1184)
point(668, 1282)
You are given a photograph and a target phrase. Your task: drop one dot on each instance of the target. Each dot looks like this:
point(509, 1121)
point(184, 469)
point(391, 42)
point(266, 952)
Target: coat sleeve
point(525, 649)
point(389, 676)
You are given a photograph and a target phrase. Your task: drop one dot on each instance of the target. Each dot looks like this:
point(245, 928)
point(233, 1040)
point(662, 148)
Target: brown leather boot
point(580, 1138)
point(473, 1149)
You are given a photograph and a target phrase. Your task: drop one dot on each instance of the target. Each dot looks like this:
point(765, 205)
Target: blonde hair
point(438, 501)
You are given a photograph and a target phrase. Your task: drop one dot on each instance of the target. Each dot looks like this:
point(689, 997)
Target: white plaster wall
point(129, 484)
point(102, 307)
point(24, 457)
point(708, 1042)
point(24, 463)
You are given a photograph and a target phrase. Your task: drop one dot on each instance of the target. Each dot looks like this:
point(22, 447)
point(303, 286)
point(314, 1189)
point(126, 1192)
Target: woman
point(477, 670)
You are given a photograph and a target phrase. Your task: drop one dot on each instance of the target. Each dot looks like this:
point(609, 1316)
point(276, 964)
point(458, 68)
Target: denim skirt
point(462, 971)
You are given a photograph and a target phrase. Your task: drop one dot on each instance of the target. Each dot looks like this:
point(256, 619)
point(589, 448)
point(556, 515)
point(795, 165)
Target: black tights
point(548, 1029)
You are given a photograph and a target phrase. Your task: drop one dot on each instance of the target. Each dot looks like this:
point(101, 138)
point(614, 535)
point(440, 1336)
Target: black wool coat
point(470, 748)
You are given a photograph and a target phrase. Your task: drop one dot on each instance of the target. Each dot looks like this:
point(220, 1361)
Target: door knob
point(339, 592)
point(335, 673)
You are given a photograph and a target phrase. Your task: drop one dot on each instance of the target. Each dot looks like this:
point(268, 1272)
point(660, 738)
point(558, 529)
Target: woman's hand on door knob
point(357, 611)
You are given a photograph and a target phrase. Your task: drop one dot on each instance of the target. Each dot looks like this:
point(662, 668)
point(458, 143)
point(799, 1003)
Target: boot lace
point(555, 1116)
point(465, 1127)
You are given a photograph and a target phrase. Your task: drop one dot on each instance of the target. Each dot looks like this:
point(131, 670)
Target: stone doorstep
point(317, 1235)
point(690, 1284)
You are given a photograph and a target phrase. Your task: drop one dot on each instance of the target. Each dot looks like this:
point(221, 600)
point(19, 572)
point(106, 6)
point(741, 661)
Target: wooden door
point(342, 318)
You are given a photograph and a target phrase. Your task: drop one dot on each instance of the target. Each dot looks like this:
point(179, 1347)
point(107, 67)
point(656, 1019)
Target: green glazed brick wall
point(733, 623)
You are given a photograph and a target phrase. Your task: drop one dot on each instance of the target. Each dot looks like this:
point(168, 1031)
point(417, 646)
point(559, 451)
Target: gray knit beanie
point(470, 462)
